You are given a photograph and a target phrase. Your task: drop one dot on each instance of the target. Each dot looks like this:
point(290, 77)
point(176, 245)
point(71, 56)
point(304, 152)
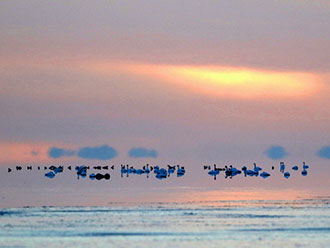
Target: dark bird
point(305, 166)
point(50, 174)
point(214, 172)
point(282, 167)
point(264, 174)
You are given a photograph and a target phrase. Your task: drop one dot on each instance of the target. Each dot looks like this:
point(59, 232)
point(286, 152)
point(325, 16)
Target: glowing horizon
point(226, 82)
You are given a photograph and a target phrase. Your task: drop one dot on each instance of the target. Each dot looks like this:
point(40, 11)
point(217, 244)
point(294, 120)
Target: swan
point(92, 176)
point(304, 173)
point(256, 168)
point(139, 171)
point(132, 170)
point(146, 168)
point(244, 170)
point(161, 176)
point(123, 170)
point(232, 171)
point(249, 172)
point(58, 170)
point(81, 171)
point(264, 174)
point(282, 167)
point(170, 170)
point(252, 173)
point(305, 166)
point(156, 169)
point(50, 174)
point(214, 172)
point(181, 171)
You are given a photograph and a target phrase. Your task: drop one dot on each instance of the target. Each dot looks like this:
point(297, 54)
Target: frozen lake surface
point(260, 223)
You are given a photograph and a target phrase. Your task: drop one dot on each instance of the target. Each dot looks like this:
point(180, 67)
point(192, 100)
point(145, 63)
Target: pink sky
point(212, 82)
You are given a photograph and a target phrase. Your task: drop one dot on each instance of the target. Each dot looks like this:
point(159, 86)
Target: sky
point(162, 82)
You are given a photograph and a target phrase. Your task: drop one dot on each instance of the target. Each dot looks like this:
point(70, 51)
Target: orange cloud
point(20, 152)
point(225, 82)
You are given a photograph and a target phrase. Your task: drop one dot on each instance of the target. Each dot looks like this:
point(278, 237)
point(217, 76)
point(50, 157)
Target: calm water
point(296, 223)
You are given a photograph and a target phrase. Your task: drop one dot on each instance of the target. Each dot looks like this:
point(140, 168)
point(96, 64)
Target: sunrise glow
point(225, 82)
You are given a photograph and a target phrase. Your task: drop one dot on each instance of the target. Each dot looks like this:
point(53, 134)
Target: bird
point(181, 171)
point(124, 170)
point(214, 172)
point(161, 176)
point(287, 174)
point(50, 174)
point(282, 167)
point(160, 173)
point(305, 166)
point(249, 172)
point(81, 171)
point(170, 169)
point(146, 168)
point(264, 174)
point(256, 168)
point(304, 173)
point(132, 170)
point(231, 171)
point(252, 173)
point(9, 170)
point(295, 167)
point(139, 171)
point(58, 170)
point(244, 170)
point(156, 169)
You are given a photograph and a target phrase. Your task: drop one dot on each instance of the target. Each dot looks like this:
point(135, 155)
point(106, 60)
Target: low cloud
point(103, 152)
point(276, 152)
point(56, 152)
point(324, 152)
point(141, 152)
